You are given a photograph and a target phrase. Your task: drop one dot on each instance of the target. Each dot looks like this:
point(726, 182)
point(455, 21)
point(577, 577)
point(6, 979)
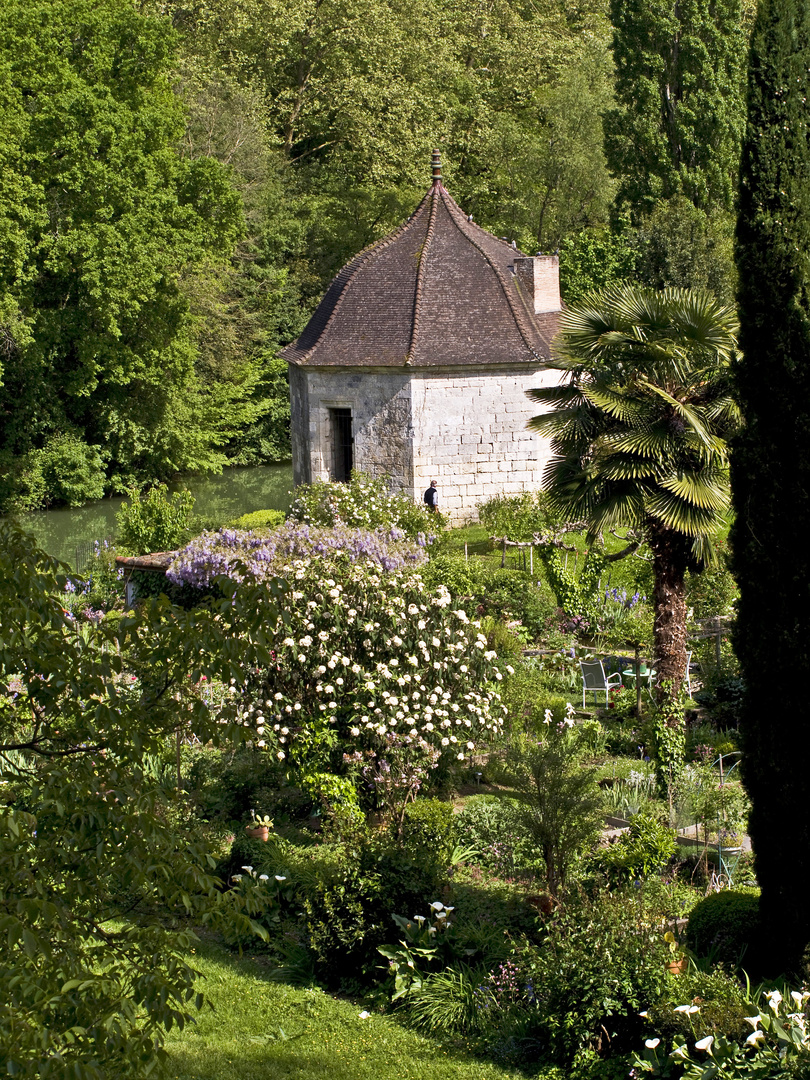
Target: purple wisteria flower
point(238, 554)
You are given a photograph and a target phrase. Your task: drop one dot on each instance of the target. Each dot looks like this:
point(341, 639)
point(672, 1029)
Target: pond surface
point(67, 533)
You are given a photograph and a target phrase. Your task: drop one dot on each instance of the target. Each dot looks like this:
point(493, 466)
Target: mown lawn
point(241, 1037)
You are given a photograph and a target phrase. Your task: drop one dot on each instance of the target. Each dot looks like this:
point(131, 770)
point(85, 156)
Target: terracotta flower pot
point(258, 832)
point(677, 967)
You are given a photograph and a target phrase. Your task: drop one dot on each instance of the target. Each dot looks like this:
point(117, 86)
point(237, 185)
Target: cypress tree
point(679, 114)
point(771, 471)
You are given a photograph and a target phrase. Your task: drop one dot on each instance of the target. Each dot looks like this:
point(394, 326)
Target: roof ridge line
point(420, 273)
point(350, 269)
point(516, 314)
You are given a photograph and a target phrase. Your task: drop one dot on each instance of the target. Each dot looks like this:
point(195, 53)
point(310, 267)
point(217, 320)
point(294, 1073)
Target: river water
point(66, 533)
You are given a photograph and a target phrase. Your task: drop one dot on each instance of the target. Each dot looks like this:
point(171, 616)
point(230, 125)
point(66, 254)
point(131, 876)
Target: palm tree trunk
point(671, 552)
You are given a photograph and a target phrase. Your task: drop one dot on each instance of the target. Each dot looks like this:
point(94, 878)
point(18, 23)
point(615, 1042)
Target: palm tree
point(639, 427)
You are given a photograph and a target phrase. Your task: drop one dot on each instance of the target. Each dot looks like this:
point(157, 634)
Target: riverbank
point(68, 533)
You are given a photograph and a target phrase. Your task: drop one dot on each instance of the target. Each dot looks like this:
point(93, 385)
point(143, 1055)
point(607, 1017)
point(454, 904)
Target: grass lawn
point(240, 1038)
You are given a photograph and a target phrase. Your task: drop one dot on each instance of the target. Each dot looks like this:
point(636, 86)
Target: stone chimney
point(540, 278)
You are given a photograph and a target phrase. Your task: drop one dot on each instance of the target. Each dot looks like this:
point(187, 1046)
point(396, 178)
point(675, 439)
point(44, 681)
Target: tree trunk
point(671, 552)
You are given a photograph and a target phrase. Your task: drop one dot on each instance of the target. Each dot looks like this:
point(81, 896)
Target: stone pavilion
point(416, 362)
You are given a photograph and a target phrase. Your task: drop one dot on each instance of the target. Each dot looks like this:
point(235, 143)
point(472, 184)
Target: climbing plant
point(576, 595)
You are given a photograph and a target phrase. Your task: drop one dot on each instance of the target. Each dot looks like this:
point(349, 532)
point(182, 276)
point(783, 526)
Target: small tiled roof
point(439, 291)
point(157, 561)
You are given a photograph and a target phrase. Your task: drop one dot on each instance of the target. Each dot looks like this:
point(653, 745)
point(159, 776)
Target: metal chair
point(594, 680)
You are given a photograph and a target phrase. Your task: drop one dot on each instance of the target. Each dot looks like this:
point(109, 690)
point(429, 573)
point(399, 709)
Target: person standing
point(431, 497)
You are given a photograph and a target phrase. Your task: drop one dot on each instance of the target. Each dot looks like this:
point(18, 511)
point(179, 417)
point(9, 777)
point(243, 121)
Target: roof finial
point(437, 167)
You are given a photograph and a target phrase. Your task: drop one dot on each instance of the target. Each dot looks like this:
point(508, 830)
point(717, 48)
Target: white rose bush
point(372, 674)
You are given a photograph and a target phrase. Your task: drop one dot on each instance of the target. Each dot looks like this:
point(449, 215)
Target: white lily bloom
point(754, 1038)
point(651, 1043)
point(705, 1044)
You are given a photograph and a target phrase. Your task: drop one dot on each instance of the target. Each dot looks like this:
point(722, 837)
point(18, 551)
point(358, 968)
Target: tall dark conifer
point(771, 470)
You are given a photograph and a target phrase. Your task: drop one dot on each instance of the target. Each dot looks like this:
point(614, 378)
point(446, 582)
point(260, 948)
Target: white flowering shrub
point(365, 503)
point(370, 661)
point(372, 674)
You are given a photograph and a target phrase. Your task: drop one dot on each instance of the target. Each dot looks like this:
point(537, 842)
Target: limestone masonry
point(417, 362)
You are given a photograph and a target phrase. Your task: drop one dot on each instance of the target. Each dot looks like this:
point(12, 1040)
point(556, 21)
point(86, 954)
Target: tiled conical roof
point(438, 291)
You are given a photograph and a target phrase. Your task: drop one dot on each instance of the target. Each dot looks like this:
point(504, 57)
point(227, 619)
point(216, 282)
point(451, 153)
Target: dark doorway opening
point(342, 444)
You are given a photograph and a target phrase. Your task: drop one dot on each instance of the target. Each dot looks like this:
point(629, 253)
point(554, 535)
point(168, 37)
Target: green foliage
point(449, 1002)
point(512, 597)
point(727, 927)
point(517, 517)
point(527, 693)
point(348, 903)
point(577, 596)
point(722, 1007)
point(429, 941)
point(154, 522)
point(93, 838)
point(594, 260)
point(559, 805)
point(683, 245)
point(456, 574)
point(99, 340)
point(679, 116)
point(778, 1047)
point(64, 471)
point(668, 735)
point(365, 503)
point(712, 590)
point(429, 831)
point(602, 962)
point(645, 849)
point(258, 519)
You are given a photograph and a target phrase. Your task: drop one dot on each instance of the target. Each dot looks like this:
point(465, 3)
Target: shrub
point(603, 961)
point(725, 926)
point(156, 521)
point(512, 595)
point(456, 574)
point(646, 848)
point(370, 675)
point(65, 470)
point(723, 1007)
point(363, 503)
point(560, 806)
point(517, 517)
point(488, 826)
point(429, 831)
point(258, 519)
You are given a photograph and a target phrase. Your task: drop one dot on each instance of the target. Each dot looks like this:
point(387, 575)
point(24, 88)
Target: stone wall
point(381, 422)
point(471, 436)
point(467, 430)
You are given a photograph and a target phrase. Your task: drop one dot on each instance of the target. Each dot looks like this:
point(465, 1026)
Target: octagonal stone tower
point(416, 362)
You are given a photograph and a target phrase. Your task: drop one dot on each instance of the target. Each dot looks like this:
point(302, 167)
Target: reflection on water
point(218, 498)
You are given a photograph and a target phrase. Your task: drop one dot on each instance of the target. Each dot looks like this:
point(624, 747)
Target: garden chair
point(594, 680)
